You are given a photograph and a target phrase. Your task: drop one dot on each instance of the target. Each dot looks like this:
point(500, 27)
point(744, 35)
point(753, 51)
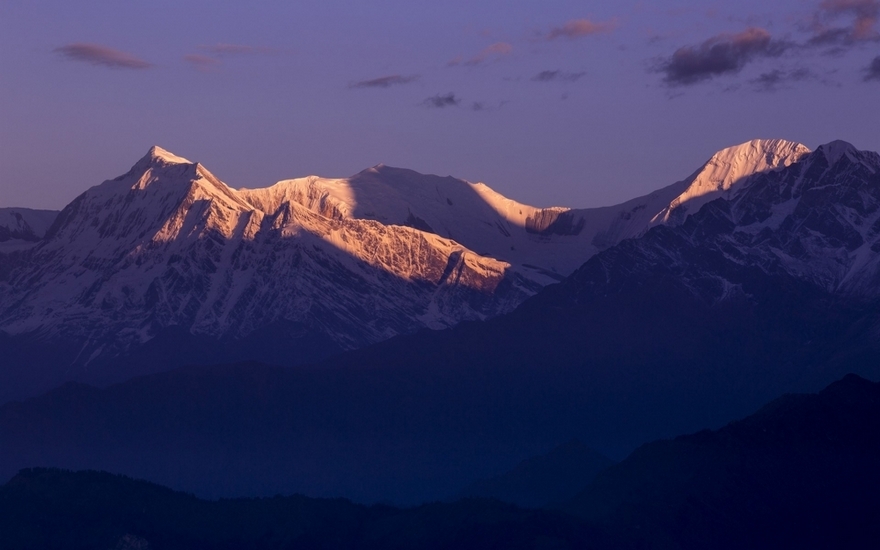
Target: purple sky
point(560, 102)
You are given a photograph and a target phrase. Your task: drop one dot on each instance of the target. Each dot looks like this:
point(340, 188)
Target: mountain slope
point(552, 478)
point(801, 472)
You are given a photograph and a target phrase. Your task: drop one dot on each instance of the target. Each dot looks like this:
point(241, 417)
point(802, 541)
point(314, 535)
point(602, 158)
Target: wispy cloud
point(872, 71)
point(557, 76)
point(777, 79)
point(492, 52)
point(201, 62)
point(227, 50)
point(211, 55)
point(441, 101)
point(722, 54)
point(862, 27)
point(579, 28)
point(484, 106)
point(97, 54)
point(384, 81)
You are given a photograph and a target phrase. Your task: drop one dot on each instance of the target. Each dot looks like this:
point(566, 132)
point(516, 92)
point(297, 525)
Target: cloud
point(384, 81)
point(557, 76)
point(864, 13)
point(492, 52)
point(872, 71)
point(228, 50)
point(578, 28)
point(102, 55)
point(214, 53)
point(201, 62)
point(719, 55)
point(777, 79)
point(441, 101)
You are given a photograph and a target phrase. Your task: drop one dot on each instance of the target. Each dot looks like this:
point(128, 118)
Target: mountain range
point(167, 265)
point(770, 286)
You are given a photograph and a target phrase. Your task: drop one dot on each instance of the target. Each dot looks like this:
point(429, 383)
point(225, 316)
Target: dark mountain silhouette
point(546, 479)
point(49, 509)
point(799, 473)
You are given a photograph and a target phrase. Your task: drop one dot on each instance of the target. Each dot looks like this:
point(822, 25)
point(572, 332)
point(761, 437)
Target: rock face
point(168, 258)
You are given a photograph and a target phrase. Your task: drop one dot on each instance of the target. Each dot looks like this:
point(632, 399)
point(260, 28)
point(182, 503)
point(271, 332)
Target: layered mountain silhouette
point(167, 265)
point(801, 472)
point(543, 480)
point(767, 289)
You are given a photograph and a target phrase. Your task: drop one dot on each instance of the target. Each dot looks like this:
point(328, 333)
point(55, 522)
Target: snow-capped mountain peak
point(166, 156)
point(729, 170)
point(170, 245)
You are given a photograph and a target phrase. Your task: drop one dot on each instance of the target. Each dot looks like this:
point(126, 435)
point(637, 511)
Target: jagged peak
point(158, 153)
point(732, 164)
point(729, 168)
point(761, 146)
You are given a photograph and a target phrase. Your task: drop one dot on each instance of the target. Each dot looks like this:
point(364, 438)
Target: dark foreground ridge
point(799, 473)
point(47, 509)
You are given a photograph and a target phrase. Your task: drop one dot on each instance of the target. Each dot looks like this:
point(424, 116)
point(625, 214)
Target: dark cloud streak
point(97, 54)
point(384, 81)
point(557, 76)
point(777, 79)
point(441, 101)
point(722, 54)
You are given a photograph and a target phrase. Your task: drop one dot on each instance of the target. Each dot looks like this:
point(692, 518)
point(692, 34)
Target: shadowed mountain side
point(281, 343)
point(799, 473)
point(539, 481)
point(406, 419)
point(99, 510)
